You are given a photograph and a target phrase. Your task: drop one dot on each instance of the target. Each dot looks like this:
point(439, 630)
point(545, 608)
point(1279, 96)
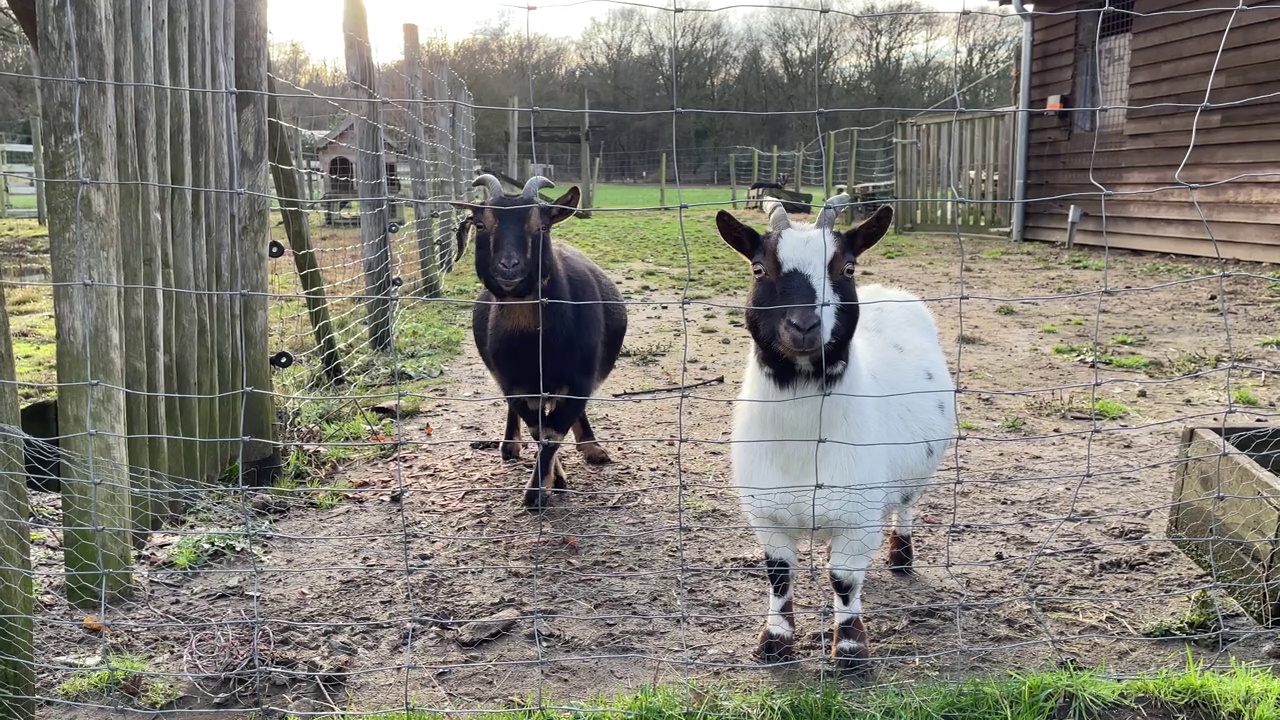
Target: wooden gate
point(954, 173)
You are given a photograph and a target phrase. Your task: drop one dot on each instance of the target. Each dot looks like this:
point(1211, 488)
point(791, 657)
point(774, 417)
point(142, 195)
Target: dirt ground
point(1042, 542)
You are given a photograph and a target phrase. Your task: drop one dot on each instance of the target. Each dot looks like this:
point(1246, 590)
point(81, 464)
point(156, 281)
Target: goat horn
point(536, 183)
point(491, 183)
point(778, 218)
point(830, 209)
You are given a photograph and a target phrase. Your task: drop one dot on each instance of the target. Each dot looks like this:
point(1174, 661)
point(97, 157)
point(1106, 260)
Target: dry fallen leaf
point(427, 430)
point(92, 624)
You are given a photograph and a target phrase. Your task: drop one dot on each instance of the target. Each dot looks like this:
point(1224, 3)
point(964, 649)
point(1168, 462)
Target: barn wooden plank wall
point(1173, 56)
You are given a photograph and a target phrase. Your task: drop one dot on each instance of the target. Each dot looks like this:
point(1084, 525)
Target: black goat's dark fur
point(557, 330)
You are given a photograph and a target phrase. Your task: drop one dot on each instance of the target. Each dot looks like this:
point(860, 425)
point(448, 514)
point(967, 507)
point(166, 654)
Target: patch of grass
point(893, 252)
point(970, 339)
point(1049, 329)
point(1201, 617)
point(968, 425)
point(993, 253)
point(1075, 321)
point(1013, 423)
point(707, 330)
point(125, 676)
point(1128, 362)
point(1245, 396)
point(1084, 262)
point(1164, 268)
point(1066, 349)
point(1194, 693)
point(1271, 343)
point(200, 549)
point(1109, 409)
point(1006, 310)
point(1123, 340)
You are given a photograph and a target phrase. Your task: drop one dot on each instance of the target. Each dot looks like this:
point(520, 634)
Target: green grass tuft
point(194, 551)
point(1245, 396)
point(1241, 693)
point(1109, 409)
point(127, 676)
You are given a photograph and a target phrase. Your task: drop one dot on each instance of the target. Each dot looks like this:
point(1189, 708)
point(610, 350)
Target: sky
point(317, 24)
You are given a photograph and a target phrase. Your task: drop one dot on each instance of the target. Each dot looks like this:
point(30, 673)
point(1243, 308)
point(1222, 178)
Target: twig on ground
point(671, 388)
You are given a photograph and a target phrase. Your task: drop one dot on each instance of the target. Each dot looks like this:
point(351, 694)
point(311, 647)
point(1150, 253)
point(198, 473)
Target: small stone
point(1272, 650)
point(480, 631)
point(263, 502)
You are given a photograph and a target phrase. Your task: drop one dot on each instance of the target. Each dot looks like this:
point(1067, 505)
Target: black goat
point(548, 325)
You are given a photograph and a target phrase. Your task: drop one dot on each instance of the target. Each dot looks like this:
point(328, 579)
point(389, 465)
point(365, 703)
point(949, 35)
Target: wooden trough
point(1226, 512)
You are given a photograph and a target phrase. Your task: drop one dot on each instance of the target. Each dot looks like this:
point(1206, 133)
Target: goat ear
point(740, 237)
point(860, 239)
point(567, 205)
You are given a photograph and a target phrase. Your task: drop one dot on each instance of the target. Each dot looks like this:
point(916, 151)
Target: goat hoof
point(852, 657)
point(510, 451)
point(775, 648)
point(595, 455)
point(535, 500)
point(901, 554)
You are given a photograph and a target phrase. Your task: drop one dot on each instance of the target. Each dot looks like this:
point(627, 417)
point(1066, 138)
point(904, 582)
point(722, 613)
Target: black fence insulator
point(275, 249)
point(393, 228)
point(396, 282)
point(282, 359)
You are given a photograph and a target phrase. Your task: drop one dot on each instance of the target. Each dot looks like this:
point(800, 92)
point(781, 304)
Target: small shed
point(1123, 116)
point(337, 152)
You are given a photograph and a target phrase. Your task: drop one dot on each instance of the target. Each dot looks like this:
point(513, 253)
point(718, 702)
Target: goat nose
point(805, 323)
point(509, 263)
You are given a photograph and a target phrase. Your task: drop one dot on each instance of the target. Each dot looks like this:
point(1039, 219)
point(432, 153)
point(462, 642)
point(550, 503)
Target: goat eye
point(849, 270)
point(479, 225)
point(545, 228)
point(757, 269)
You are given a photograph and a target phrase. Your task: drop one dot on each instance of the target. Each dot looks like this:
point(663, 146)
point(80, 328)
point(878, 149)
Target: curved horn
point(536, 183)
point(830, 209)
point(778, 219)
point(491, 183)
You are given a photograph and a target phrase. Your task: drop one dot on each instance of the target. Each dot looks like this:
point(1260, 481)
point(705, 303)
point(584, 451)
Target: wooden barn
point(1156, 58)
point(336, 152)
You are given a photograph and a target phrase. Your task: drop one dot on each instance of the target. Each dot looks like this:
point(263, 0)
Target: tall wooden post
point(371, 176)
point(461, 173)
point(284, 171)
point(443, 155)
point(4, 181)
point(160, 43)
point(513, 139)
point(260, 454)
point(799, 173)
point(853, 159)
point(37, 160)
point(733, 182)
point(595, 177)
point(300, 158)
point(429, 284)
point(182, 202)
point(755, 166)
point(773, 165)
point(17, 654)
point(84, 249)
point(662, 181)
point(829, 164)
point(141, 33)
point(584, 147)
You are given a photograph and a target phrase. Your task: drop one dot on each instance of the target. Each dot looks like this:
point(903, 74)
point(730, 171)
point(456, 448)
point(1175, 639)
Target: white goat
point(845, 412)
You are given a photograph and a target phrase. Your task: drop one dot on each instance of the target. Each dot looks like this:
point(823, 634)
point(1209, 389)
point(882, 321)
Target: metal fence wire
point(252, 463)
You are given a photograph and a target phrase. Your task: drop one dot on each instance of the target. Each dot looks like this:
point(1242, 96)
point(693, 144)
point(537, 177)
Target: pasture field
point(395, 556)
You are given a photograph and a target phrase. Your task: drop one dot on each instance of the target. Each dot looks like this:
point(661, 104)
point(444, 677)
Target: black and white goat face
point(802, 309)
point(513, 235)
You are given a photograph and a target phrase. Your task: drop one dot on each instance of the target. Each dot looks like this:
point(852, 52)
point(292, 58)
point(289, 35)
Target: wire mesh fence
point(273, 368)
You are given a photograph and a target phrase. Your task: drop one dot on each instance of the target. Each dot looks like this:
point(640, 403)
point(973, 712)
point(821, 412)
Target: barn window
point(342, 175)
point(1102, 66)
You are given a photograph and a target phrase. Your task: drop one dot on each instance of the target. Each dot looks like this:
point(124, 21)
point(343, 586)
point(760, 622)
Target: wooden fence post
point(773, 165)
point(461, 173)
point(755, 166)
point(260, 455)
point(84, 249)
point(733, 182)
point(134, 327)
point(183, 228)
point(595, 178)
point(37, 159)
point(4, 181)
point(289, 190)
point(17, 654)
point(829, 161)
point(584, 148)
point(799, 178)
point(227, 339)
point(371, 175)
point(142, 30)
point(513, 142)
point(662, 181)
point(429, 281)
point(160, 43)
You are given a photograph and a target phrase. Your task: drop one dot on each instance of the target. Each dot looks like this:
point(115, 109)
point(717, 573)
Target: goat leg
point(511, 436)
point(587, 445)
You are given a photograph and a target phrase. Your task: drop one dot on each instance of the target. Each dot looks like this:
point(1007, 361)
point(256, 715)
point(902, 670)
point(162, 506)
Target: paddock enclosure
point(250, 458)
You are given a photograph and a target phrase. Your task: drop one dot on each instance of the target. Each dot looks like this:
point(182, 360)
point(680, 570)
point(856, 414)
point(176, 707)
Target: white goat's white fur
point(886, 425)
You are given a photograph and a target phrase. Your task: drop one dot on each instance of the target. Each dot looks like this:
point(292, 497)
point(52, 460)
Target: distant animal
point(549, 324)
point(845, 411)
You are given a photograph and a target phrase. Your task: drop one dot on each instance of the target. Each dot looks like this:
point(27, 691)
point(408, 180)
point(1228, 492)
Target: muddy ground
point(1041, 544)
